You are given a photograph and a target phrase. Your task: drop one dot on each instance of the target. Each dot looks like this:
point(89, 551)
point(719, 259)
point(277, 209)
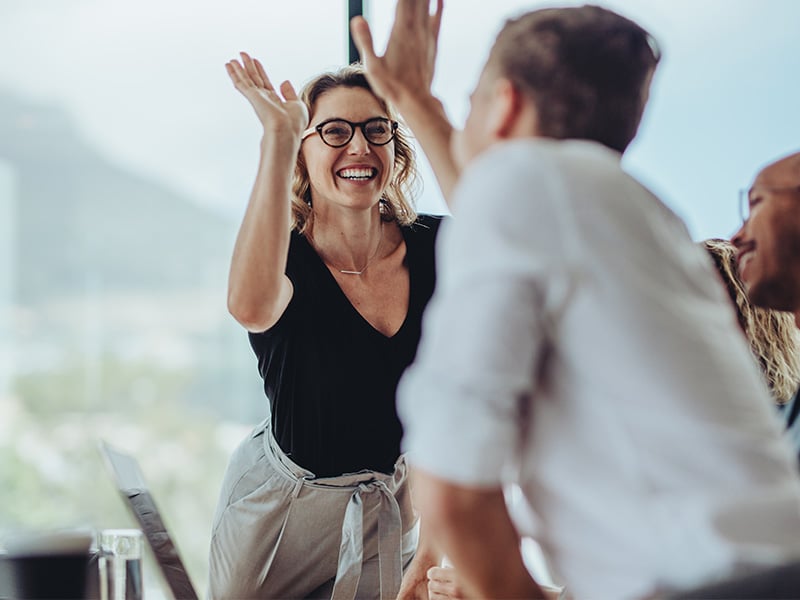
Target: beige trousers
point(280, 533)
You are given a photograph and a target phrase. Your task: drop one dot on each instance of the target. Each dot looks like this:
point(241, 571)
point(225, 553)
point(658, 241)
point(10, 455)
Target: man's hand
point(403, 77)
point(405, 71)
point(443, 584)
point(471, 525)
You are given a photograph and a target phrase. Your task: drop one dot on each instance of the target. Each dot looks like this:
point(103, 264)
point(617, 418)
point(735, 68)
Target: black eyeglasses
point(750, 197)
point(338, 132)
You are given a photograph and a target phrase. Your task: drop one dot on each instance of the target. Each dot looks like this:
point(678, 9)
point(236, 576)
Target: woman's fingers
point(241, 78)
point(253, 72)
point(249, 72)
point(263, 75)
point(237, 74)
point(296, 108)
point(288, 91)
point(273, 108)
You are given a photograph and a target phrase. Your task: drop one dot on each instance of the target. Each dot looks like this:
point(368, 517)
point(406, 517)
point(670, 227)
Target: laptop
point(130, 482)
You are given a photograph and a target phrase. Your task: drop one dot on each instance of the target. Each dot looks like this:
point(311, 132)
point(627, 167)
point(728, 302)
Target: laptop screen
point(131, 484)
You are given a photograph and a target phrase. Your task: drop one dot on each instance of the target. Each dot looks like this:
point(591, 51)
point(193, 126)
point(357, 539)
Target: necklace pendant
point(347, 271)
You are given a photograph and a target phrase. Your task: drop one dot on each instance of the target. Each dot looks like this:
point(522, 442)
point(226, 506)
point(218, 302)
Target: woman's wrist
point(280, 144)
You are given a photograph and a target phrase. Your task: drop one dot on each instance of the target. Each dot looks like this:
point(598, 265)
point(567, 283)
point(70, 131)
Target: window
point(126, 160)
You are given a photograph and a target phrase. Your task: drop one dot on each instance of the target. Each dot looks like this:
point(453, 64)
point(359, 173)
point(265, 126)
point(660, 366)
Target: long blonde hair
point(397, 203)
point(772, 334)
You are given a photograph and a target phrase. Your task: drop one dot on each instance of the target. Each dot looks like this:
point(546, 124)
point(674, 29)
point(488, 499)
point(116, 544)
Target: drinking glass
point(120, 564)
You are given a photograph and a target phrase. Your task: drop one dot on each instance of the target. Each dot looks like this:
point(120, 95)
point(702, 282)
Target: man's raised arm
point(403, 76)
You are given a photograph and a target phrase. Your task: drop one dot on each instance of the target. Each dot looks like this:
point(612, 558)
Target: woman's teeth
point(357, 174)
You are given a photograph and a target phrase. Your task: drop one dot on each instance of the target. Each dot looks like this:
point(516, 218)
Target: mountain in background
point(82, 221)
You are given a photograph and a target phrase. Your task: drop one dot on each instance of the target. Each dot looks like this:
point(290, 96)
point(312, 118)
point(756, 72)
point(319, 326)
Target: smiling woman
point(333, 306)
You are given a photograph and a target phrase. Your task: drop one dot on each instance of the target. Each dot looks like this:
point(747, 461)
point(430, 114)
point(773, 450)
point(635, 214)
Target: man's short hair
point(585, 68)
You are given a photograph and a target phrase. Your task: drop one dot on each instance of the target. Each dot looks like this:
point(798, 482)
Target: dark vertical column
point(355, 8)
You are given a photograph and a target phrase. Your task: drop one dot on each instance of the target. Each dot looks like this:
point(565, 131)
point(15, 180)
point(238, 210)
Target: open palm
point(279, 113)
point(407, 65)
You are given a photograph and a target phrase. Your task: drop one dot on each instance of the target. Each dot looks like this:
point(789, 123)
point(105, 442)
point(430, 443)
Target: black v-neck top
point(330, 376)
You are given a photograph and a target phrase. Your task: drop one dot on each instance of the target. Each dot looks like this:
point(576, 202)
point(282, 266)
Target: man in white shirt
point(578, 344)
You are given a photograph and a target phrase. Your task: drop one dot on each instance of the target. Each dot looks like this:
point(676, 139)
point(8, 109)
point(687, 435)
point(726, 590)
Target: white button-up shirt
point(581, 345)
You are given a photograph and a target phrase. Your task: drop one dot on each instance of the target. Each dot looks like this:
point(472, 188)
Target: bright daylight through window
point(126, 160)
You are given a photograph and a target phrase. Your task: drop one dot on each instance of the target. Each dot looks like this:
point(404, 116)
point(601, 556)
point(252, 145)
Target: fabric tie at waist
point(351, 551)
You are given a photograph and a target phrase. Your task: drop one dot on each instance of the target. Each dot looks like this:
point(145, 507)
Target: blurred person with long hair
point(772, 334)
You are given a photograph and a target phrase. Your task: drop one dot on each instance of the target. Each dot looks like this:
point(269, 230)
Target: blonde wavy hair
point(772, 334)
point(397, 203)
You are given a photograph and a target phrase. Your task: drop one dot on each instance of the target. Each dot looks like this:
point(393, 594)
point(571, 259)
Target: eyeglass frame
point(744, 197)
point(353, 126)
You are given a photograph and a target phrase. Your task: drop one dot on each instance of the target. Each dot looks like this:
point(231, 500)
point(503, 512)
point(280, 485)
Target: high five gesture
point(406, 68)
point(277, 114)
point(403, 76)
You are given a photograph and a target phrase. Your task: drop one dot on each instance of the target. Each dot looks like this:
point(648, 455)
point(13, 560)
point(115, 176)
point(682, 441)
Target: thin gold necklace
point(364, 268)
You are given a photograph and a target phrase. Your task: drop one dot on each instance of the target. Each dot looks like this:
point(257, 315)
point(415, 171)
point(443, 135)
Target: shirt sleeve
point(463, 402)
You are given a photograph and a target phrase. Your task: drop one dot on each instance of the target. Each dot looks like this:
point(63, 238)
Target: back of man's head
point(586, 69)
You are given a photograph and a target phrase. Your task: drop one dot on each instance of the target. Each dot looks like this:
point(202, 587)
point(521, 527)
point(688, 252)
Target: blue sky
point(145, 83)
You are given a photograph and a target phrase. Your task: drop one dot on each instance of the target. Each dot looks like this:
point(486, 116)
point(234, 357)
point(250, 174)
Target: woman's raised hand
point(279, 113)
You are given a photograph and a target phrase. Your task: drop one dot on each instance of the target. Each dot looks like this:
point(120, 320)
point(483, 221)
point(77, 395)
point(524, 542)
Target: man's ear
point(506, 109)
